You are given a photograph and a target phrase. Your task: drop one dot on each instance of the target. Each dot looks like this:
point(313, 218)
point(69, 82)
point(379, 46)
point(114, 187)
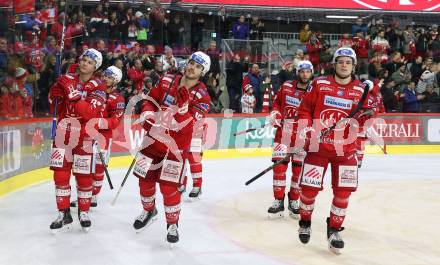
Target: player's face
point(193, 70)
point(87, 65)
point(305, 75)
point(344, 66)
point(109, 81)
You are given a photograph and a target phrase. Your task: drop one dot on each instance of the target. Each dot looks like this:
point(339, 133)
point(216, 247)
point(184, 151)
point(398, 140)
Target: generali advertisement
point(396, 5)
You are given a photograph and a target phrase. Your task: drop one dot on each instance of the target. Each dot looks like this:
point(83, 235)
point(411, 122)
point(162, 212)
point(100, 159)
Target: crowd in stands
point(147, 42)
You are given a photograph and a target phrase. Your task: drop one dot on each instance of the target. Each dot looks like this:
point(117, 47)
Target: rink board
point(43, 174)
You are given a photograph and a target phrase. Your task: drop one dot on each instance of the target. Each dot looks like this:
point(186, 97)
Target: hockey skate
point(304, 231)
point(84, 220)
point(276, 210)
point(63, 222)
point(195, 193)
point(145, 219)
point(335, 242)
point(293, 208)
point(94, 202)
point(173, 235)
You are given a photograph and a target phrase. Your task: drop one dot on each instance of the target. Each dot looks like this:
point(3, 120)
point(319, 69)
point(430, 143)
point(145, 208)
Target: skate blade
point(294, 215)
point(192, 199)
point(147, 225)
point(85, 229)
point(273, 216)
point(64, 229)
point(170, 245)
point(336, 251)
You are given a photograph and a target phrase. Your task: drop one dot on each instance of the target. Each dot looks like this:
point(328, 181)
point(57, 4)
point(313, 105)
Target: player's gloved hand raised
point(57, 92)
point(369, 84)
point(182, 99)
point(274, 118)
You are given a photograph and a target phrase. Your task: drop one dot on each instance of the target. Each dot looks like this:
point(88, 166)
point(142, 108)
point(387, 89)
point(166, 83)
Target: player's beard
point(343, 77)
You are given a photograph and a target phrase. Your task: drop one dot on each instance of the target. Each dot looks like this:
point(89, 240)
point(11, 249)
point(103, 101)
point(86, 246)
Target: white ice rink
point(393, 218)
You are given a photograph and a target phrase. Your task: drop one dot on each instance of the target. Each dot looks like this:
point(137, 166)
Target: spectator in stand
point(430, 103)
point(345, 41)
point(435, 49)
point(142, 28)
point(314, 48)
point(102, 48)
point(234, 79)
point(222, 25)
point(168, 60)
point(390, 97)
point(421, 42)
point(48, 77)
point(376, 26)
point(361, 46)
point(248, 100)
point(409, 47)
point(396, 62)
point(286, 73)
point(433, 33)
point(359, 26)
point(3, 56)
point(304, 35)
point(24, 94)
point(176, 30)
point(417, 69)
point(6, 99)
point(427, 77)
point(148, 59)
point(325, 60)
point(50, 46)
point(299, 56)
point(136, 74)
point(257, 30)
point(240, 32)
point(214, 55)
point(197, 25)
point(126, 20)
point(394, 35)
point(255, 79)
point(114, 29)
point(411, 99)
point(157, 73)
point(401, 77)
point(380, 44)
point(98, 24)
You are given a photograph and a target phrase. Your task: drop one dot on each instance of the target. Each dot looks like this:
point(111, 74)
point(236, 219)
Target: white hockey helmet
point(304, 65)
point(114, 72)
point(202, 59)
point(94, 55)
point(345, 52)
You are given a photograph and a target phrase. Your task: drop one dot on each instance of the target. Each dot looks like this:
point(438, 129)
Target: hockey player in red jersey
point(328, 101)
point(284, 117)
point(72, 150)
point(169, 128)
point(110, 120)
point(199, 106)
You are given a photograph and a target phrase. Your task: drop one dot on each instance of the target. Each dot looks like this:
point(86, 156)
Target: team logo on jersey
point(340, 93)
point(329, 117)
point(296, 93)
point(292, 101)
point(204, 106)
point(339, 103)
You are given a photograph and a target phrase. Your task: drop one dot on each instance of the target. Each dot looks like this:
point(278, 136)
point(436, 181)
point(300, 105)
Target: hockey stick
point(351, 115)
point(285, 159)
point(105, 170)
point(124, 180)
point(63, 33)
point(250, 130)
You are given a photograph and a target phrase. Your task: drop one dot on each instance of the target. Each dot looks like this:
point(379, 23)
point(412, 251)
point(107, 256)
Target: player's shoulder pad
point(100, 93)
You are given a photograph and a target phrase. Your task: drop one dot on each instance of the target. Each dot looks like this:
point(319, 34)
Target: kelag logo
point(415, 5)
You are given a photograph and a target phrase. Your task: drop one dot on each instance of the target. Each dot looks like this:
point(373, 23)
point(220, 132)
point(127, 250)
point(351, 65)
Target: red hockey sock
point(98, 178)
point(307, 203)
point(294, 183)
point(84, 190)
point(339, 208)
point(62, 189)
point(279, 181)
point(171, 200)
point(195, 165)
point(148, 194)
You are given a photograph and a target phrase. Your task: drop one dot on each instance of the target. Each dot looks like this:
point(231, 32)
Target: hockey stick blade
point(250, 130)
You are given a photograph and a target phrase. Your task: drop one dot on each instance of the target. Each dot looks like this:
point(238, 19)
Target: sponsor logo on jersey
point(348, 176)
point(337, 102)
point(323, 81)
point(312, 176)
point(292, 101)
point(120, 105)
point(325, 88)
point(204, 106)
